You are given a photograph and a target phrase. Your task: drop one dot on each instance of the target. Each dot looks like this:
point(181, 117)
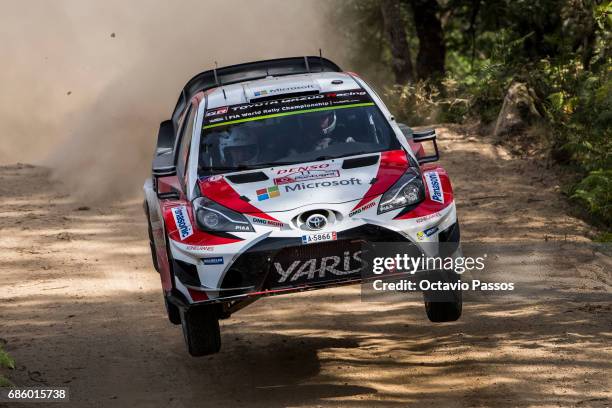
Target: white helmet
point(238, 142)
point(327, 130)
point(320, 123)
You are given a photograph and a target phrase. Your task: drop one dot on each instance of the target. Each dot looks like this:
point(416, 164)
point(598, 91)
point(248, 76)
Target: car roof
point(251, 91)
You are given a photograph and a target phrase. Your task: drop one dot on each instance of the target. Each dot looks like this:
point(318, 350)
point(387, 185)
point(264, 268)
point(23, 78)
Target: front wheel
point(201, 330)
point(439, 312)
point(444, 306)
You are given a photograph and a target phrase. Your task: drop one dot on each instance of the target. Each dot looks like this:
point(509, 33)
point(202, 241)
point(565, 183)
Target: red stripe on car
point(221, 192)
point(392, 165)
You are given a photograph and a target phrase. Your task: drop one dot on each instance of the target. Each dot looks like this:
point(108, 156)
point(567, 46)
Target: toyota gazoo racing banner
point(246, 112)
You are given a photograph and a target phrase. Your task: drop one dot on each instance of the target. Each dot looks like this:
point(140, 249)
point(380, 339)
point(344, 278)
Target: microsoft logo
point(265, 193)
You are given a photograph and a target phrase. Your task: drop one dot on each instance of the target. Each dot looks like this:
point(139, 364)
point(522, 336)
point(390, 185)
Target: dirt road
point(81, 306)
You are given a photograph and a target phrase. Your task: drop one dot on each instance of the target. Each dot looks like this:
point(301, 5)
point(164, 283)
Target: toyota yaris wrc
point(270, 177)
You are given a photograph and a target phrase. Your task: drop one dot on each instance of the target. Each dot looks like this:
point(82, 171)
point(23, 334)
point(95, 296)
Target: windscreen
point(292, 130)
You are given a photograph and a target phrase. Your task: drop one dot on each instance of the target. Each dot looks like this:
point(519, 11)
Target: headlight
point(211, 216)
point(408, 190)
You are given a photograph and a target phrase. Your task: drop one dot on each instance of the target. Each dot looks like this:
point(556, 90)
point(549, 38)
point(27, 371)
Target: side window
point(185, 143)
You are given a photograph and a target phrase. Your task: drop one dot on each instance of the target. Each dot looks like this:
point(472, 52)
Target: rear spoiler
point(248, 72)
point(164, 158)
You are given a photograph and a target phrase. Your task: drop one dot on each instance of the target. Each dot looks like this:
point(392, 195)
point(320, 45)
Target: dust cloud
point(84, 84)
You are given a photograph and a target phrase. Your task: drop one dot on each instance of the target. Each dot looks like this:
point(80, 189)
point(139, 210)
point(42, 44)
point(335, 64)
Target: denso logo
point(435, 187)
point(303, 168)
point(305, 176)
point(181, 218)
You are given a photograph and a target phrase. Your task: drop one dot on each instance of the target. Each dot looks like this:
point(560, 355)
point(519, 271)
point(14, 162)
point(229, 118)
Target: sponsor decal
point(427, 233)
point(263, 221)
point(305, 176)
point(362, 208)
point(181, 219)
point(286, 106)
point(306, 186)
point(435, 187)
point(303, 168)
point(428, 217)
point(217, 260)
point(269, 192)
point(320, 268)
point(217, 111)
point(200, 248)
point(265, 92)
point(345, 94)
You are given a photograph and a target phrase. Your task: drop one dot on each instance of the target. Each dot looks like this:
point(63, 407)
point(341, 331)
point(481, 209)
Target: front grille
point(319, 250)
point(256, 266)
point(315, 263)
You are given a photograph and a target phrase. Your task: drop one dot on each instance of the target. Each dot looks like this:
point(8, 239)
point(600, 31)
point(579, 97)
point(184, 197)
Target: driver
point(320, 128)
point(238, 147)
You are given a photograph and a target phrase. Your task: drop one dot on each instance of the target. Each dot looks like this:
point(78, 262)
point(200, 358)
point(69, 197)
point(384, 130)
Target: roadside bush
point(5, 362)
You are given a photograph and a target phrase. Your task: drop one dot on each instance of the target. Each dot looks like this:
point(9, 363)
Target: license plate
point(320, 237)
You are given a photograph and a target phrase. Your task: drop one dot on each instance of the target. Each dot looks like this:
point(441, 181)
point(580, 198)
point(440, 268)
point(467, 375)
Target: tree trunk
point(432, 51)
point(400, 51)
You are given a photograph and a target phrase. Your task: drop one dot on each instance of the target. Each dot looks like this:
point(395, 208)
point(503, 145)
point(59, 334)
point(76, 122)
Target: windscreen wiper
point(234, 168)
point(340, 157)
point(247, 167)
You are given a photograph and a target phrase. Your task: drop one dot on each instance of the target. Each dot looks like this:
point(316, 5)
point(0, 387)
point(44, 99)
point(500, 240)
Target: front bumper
point(275, 266)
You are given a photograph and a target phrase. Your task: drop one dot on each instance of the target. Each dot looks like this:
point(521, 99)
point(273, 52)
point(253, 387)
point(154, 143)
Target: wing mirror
point(163, 160)
point(423, 136)
point(165, 135)
point(418, 141)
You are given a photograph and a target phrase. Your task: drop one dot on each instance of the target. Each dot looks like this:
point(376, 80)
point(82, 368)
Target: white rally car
point(269, 178)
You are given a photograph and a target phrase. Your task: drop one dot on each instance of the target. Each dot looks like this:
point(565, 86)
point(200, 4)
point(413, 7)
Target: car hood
point(286, 188)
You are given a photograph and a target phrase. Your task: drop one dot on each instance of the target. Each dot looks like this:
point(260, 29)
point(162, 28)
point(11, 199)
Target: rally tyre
point(439, 312)
point(443, 305)
point(201, 330)
point(174, 314)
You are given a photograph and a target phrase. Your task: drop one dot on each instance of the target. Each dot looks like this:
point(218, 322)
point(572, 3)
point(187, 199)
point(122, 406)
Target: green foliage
point(604, 237)
point(595, 191)
point(4, 382)
point(5, 360)
point(416, 104)
point(560, 49)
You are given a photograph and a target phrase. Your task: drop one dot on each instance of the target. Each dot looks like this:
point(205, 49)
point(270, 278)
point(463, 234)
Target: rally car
point(269, 178)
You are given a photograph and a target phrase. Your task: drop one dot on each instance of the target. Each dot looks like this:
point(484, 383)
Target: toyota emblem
point(316, 222)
